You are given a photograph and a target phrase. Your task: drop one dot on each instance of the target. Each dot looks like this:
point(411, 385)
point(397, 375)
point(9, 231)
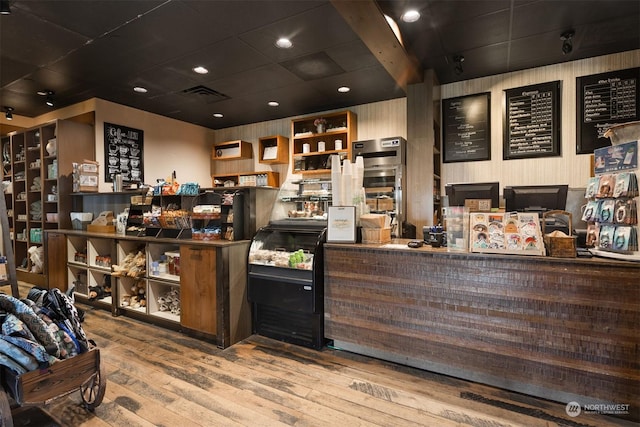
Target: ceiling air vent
point(206, 94)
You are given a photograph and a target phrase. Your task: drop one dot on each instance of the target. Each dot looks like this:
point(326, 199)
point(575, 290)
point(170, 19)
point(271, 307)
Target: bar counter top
point(564, 329)
point(176, 241)
point(401, 245)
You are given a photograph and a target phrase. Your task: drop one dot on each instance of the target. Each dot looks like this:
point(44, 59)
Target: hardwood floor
point(157, 377)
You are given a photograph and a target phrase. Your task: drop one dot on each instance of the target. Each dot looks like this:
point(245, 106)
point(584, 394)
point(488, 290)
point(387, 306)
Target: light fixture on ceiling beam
point(49, 99)
point(5, 7)
point(458, 60)
point(8, 113)
point(49, 96)
point(567, 44)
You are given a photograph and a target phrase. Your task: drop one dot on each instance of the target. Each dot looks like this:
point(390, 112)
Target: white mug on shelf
point(306, 148)
point(321, 146)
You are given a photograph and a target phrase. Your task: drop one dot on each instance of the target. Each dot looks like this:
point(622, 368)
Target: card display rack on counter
point(506, 233)
point(615, 209)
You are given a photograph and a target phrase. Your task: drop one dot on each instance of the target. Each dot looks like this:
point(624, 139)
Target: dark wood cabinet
point(210, 281)
point(198, 274)
point(56, 264)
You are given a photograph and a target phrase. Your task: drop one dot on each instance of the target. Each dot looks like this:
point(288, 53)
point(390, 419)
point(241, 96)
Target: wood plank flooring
point(157, 377)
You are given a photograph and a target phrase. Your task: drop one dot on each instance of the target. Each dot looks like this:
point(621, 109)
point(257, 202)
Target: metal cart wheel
point(6, 419)
point(92, 391)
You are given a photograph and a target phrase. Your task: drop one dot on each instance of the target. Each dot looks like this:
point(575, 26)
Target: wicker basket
point(141, 200)
point(559, 246)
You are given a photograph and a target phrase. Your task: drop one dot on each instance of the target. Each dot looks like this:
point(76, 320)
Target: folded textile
point(35, 324)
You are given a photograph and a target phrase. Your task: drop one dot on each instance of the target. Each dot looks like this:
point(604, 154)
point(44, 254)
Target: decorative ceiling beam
point(369, 23)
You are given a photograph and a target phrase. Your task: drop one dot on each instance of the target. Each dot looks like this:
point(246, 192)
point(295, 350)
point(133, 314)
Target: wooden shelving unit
point(231, 150)
point(250, 179)
point(276, 147)
point(40, 183)
point(339, 126)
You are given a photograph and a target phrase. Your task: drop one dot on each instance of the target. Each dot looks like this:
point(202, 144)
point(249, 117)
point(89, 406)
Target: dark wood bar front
point(557, 328)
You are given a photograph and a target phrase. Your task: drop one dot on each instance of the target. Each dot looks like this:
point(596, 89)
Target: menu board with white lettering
point(604, 100)
point(467, 124)
point(532, 121)
point(123, 153)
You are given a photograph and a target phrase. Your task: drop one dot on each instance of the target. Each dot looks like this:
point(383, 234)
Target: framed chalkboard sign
point(532, 121)
point(466, 128)
point(123, 153)
point(604, 100)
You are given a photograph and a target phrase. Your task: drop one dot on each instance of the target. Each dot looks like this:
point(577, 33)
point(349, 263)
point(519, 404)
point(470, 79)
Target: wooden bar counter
point(565, 329)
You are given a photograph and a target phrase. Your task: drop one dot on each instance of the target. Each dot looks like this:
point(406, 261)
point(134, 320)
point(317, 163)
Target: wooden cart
point(82, 372)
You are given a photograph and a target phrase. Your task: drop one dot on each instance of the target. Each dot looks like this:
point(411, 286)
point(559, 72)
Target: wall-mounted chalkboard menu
point(123, 153)
point(604, 100)
point(466, 128)
point(532, 121)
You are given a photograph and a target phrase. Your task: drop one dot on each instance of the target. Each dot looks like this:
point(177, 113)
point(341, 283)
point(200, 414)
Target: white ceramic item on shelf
point(52, 146)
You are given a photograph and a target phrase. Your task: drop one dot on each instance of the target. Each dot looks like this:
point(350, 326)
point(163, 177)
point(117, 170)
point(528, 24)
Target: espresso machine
point(385, 160)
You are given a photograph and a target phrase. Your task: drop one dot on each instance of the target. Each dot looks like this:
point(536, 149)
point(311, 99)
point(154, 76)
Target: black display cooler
point(286, 281)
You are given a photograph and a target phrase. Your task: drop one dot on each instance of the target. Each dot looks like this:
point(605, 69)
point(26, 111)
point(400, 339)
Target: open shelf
point(273, 149)
point(232, 150)
point(312, 149)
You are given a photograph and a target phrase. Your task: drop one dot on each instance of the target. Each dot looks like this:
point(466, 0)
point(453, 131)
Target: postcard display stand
point(506, 233)
point(612, 208)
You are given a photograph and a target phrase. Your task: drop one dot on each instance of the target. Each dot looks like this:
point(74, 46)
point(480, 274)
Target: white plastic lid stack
point(336, 180)
point(347, 183)
point(358, 175)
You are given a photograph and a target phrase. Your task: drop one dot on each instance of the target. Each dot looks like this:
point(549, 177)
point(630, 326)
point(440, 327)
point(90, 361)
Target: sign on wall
point(532, 121)
point(467, 128)
point(123, 153)
point(604, 100)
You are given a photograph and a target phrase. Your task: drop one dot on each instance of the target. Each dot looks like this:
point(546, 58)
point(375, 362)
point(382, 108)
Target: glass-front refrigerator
point(285, 281)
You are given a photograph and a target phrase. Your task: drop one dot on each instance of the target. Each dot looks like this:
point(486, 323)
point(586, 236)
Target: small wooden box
point(385, 204)
point(101, 228)
point(559, 246)
point(376, 235)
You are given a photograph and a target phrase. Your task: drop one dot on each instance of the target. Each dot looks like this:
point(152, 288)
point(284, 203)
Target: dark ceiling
point(83, 49)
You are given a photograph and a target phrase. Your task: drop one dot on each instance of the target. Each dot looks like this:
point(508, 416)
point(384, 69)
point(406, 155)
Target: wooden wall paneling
point(420, 140)
point(382, 119)
point(556, 328)
point(570, 168)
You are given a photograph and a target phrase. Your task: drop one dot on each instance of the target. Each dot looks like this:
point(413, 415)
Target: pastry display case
point(285, 281)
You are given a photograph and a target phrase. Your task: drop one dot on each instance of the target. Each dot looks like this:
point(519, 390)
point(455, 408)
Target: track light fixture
point(8, 113)
point(567, 44)
point(49, 94)
point(5, 7)
point(458, 60)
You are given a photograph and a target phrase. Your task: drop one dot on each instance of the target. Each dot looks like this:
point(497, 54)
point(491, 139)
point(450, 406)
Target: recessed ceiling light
point(218, 115)
point(273, 103)
point(411, 16)
point(284, 43)
point(200, 69)
point(140, 89)
point(344, 89)
point(43, 92)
